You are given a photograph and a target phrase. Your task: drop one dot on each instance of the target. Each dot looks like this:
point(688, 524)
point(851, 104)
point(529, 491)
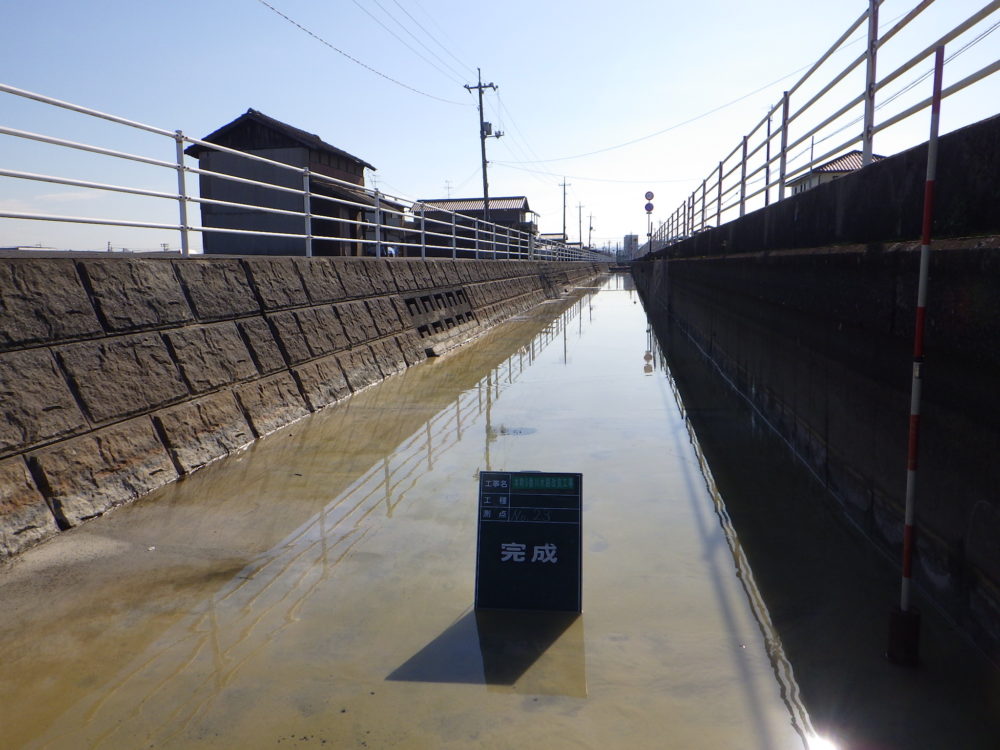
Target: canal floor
point(316, 590)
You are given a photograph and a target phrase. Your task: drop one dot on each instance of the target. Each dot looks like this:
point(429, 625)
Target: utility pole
point(564, 184)
point(579, 209)
point(447, 188)
point(590, 231)
point(485, 131)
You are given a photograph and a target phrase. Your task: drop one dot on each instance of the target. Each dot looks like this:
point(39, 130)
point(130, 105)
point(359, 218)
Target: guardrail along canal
point(316, 590)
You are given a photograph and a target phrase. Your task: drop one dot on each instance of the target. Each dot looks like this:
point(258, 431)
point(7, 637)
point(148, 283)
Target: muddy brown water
point(316, 590)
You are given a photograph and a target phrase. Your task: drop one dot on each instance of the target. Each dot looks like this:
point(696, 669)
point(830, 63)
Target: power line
point(430, 35)
point(403, 41)
point(354, 60)
point(511, 165)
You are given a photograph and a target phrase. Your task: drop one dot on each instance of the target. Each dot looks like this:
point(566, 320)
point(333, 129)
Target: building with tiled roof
point(260, 135)
point(829, 171)
point(511, 211)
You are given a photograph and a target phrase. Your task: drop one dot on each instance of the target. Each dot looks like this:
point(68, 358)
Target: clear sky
point(575, 77)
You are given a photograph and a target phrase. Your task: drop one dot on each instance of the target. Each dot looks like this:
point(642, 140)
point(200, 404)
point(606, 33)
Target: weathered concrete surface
point(35, 401)
point(882, 203)
point(821, 344)
point(42, 303)
point(86, 476)
point(27, 518)
point(118, 375)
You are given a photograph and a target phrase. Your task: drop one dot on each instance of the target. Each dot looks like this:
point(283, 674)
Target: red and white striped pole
point(904, 626)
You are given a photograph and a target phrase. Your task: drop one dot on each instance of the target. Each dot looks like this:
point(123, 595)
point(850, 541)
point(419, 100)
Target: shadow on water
point(500, 648)
point(827, 590)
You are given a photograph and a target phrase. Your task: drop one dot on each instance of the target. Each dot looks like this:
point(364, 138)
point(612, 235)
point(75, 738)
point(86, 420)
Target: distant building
point(512, 212)
point(630, 249)
point(260, 135)
point(831, 170)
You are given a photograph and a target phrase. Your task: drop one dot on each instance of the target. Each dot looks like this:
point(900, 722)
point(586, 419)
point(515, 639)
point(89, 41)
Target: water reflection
point(827, 591)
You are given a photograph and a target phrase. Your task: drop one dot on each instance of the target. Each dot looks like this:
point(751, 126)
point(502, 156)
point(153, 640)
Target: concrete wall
point(119, 375)
point(881, 203)
point(820, 342)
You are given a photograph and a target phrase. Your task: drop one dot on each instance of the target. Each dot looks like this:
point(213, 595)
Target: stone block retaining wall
point(120, 374)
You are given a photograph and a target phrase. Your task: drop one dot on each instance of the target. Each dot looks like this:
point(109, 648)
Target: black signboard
point(529, 551)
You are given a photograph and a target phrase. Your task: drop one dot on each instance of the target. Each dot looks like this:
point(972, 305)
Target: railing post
point(703, 201)
point(454, 238)
point(476, 225)
point(718, 199)
point(869, 129)
point(767, 162)
point(743, 180)
point(783, 163)
point(378, 224)
point(182, 192)
point(423, 233)
point(307, 210)
point(531, 246)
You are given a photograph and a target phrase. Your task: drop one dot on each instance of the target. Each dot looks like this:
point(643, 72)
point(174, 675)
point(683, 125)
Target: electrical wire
point(355, 60)
point(654, 181)
point(431, 36)
point(402, 41)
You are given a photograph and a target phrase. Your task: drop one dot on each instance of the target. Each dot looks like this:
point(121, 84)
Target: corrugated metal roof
point(476, 204)
point(849, 162)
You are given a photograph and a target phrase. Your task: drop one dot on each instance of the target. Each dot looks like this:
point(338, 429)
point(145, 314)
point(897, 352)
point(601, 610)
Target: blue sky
point(575, 77)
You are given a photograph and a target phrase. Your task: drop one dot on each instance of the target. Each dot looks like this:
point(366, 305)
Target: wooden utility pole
point(485, 131)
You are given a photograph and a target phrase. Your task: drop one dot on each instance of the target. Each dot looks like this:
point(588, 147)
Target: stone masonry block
point(352, 275)
point(133, 293)
point(276, 281)
point(260, 343)
point(437, 272)
point(421, 274)
point(384, 314)
point(43, 300)
point(464, 270)
point(451, 272)
point(410, 345)
point(289, 336)
point(322, 330)
point(25, 518)
point(35, 403)
point(388, 356)
point(271, 403)
point(122, 376)
point(360, 367)
point(323, 382)
point(401, 271)
point(381, 277)
point(201, 431)
point(88, 475)
point(217, 287)
point(357, 321)
point(210, 356)
point(322, 283)
point(402, 312)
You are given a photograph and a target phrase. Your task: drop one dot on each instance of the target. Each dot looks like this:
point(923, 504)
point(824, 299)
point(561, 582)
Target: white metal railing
point(768, 158)
point(358, 220)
